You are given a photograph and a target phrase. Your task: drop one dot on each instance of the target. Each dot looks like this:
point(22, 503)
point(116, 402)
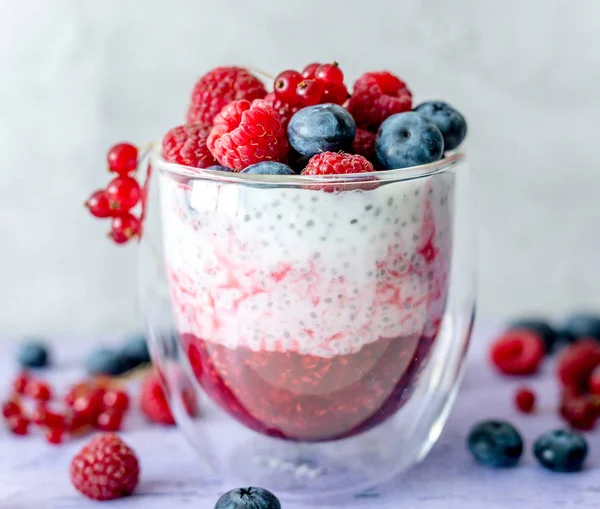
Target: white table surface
point(34, 475)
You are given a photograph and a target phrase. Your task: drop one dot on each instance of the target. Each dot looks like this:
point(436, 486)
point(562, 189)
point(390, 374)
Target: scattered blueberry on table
point(248, 498)
point(580, 325)
point(33, 353)
point(495, 444)
point(105, 361)
point(561, 451)
point(135, 351)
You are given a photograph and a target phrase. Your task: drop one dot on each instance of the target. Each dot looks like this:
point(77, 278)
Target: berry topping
point(561, 451)
point(450, 122)
point(153, 401)
point(334, 163)
point(321, 128)
point(525, 400)
point(495, 444)
point(309, 92)
point(246, 134)
point(376, 96)
point(218, 88)
point(248, 498)
point(309, 71)
point(124, 228)
point(540, 327)
point(123, 193)
point(135, 351)
point(581, 325)
point(577, 362)
point(269, 168)
point(364, 144)
point(285, 85)
point(122, 158)
point(518, 352)
point(33, 354)
point(105, 469)
point(105, 362)
point(407, 139)
point(98, 204)
point(285, 109)
point(186, 144)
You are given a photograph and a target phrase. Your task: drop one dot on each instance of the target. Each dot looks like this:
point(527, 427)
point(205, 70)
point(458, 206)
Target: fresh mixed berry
point(561, 451)
point(33, 353)
point(518, 352)
point(248, 498)
point(495, 444)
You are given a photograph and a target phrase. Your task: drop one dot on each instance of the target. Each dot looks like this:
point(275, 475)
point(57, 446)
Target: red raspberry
point(105, 469)
point(247, 133)
point(285, 109)
point(186, 144)
point(594, 381)
point(153, 401)
point(525, 400)
point(218, 88)
point(334, 163)
point(376, 96)
point(364, 144)
point(577, 362)
point(518, 352)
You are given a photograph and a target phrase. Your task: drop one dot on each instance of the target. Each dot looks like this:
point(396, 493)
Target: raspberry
point(105, 469)
point(218, 88)
point(153, 401)
point(577, 362)
point(525, 400)
point(334, 163)
point(247, 133)
point(376, 96)
point(579, 411)
point(285, 109)
point(518, 352)
point(364, 144)
point(186, 144)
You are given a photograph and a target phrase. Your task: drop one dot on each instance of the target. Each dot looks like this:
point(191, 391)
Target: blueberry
point(561, 450)
point(495, 444)
point(248, 498)
point(268, 168)
point(450, 122)
point(580, 325)
point(297, 161)
point(135, 351)
point(33, 354)
point(540, 327)
point(106, 362)
point(321, 128)
point(218, 167)
point(408, 139)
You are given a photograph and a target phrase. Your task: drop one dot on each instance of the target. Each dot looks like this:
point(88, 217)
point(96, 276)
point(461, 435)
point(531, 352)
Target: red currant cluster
point(121, 195)
point(317, 83)
point(93, 404)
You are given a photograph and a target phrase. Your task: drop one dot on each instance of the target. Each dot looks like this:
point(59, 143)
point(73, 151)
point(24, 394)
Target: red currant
point(123, 193)
point(309, 92)
point(18, 425)
point(336, 93)
point(125, 228)
point(309, 71)
point(75, 423)
point(38, 416)
point(577, 362)
point(285, 85)
point(116, 400)
point(594, 381)
point(98, 204)
point(579, 411)
point(109, 421)
point(38, 390)
point(122, 158)
point(329, 73)
point(20, 383)
point(88, 406)
point(76, 390)
point(525, 400)
point(11, 409)
point(55, 435)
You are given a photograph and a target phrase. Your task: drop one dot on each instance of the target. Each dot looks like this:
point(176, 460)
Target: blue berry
point(268, 168)
point(218, 167)
point(106, 362)
point(321, 128)
point(450, 122)
point(561, 451)
point(248, 498)
point(580, 325)
point(408, 139)
point(135, 351)
point(540, 327)
point(495, 444)
point(33, 354)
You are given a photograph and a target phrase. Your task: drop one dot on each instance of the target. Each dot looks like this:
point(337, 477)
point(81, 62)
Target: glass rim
point(179, 171)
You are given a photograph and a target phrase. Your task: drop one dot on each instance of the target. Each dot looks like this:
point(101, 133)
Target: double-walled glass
point(322, 322)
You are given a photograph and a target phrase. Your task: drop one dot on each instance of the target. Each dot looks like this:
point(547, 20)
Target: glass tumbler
point(321, 322)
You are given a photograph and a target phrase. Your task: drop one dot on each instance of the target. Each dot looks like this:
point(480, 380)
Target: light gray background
point(76, 75)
